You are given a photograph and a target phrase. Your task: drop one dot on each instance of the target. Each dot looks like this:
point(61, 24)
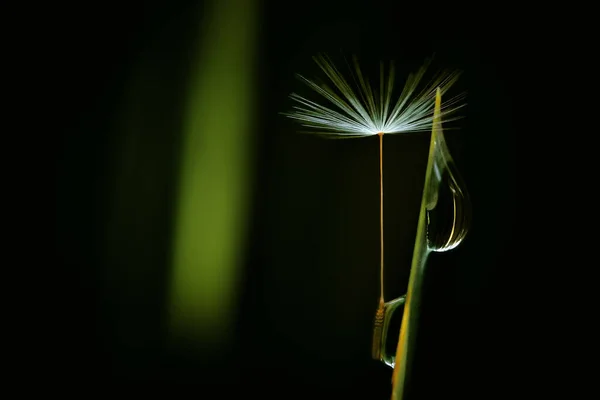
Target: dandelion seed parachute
point(362, 111)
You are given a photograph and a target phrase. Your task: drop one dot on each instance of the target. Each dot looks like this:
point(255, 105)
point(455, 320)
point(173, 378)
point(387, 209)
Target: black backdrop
point(311, 259)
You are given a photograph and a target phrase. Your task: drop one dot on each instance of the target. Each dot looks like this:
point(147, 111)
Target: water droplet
point(449, 207)
point(387, 318)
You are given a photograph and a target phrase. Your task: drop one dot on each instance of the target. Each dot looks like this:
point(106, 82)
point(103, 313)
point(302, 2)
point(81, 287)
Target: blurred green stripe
point(215, 175)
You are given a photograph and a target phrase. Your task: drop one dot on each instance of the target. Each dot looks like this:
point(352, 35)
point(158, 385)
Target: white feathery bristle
point(363, 112)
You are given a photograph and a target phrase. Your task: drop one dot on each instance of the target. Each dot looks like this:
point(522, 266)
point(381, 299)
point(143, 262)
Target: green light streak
point(214, 177)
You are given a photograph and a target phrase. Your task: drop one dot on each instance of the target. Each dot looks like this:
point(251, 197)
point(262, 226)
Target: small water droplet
point(387, 318)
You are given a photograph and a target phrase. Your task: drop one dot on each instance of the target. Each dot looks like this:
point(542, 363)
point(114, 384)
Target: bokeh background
point(213, 246)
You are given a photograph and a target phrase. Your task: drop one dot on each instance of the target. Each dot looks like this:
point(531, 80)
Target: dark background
point(311, 259)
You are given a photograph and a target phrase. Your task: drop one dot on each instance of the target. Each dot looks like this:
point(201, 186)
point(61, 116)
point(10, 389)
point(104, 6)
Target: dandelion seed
point(361, 112)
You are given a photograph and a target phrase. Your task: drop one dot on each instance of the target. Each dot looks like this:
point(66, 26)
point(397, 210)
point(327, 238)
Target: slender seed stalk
point(381, 298)
point(380, 313)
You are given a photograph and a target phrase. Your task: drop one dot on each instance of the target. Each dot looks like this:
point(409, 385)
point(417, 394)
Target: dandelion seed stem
point(380, 134)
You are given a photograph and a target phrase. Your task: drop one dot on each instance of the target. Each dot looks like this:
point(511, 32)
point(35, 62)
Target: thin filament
point(381, 300)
